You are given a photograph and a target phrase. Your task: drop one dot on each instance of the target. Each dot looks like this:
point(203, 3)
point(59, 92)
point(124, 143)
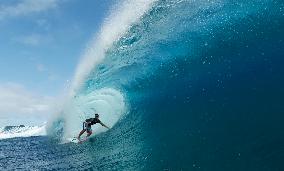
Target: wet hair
point(96, 114)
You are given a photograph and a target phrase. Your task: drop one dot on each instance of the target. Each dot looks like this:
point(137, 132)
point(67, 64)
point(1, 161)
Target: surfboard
point(75, 140)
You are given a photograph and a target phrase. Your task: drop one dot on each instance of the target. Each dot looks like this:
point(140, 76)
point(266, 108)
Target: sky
point(41, 42)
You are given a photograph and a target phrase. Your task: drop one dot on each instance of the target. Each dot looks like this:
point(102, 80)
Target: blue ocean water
point(202, 83)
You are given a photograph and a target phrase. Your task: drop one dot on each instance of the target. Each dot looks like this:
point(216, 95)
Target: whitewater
point(26, 131)
point(183, 84)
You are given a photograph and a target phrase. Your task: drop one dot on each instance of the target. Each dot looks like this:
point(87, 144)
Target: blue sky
point(41, 42)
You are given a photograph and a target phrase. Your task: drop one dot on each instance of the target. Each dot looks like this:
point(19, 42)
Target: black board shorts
point(87, 127)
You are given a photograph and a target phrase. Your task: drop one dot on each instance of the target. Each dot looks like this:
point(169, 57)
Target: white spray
point(115, 26)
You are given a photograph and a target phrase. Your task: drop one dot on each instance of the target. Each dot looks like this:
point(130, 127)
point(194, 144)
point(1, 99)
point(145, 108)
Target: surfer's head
point(97, 115)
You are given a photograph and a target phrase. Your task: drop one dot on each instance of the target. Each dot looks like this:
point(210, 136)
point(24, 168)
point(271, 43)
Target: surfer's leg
point(89, 133)
point(82, 132)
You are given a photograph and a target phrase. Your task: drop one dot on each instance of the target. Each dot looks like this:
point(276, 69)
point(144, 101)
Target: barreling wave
point(107, 101)
point(184, 84)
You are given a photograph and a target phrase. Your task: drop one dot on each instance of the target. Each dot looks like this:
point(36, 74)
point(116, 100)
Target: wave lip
point(115, 26)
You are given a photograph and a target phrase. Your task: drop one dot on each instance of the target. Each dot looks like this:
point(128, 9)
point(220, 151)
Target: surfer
point(87, 126)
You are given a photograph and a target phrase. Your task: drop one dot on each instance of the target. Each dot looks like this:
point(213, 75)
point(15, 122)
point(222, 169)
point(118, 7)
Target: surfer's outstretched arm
point(104, 125)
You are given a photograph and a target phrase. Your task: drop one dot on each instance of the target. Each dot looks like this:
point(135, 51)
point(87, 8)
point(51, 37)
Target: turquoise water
point(202, 87)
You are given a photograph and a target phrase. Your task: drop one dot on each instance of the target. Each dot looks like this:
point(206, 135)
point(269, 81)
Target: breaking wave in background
point(17, 131)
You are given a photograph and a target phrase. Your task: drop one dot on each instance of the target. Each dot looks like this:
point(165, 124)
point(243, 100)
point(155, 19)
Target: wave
point(22, 131)
point(184, 82)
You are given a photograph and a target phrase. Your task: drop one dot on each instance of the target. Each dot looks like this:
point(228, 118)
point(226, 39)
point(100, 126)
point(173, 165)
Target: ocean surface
point(183, 84)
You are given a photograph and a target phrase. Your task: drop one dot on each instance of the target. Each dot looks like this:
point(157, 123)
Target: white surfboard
point(75, 140)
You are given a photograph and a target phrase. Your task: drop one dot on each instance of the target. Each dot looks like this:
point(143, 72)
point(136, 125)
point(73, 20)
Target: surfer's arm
point(104, 125)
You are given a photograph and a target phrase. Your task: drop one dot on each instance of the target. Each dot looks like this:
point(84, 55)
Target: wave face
point(189, 85)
